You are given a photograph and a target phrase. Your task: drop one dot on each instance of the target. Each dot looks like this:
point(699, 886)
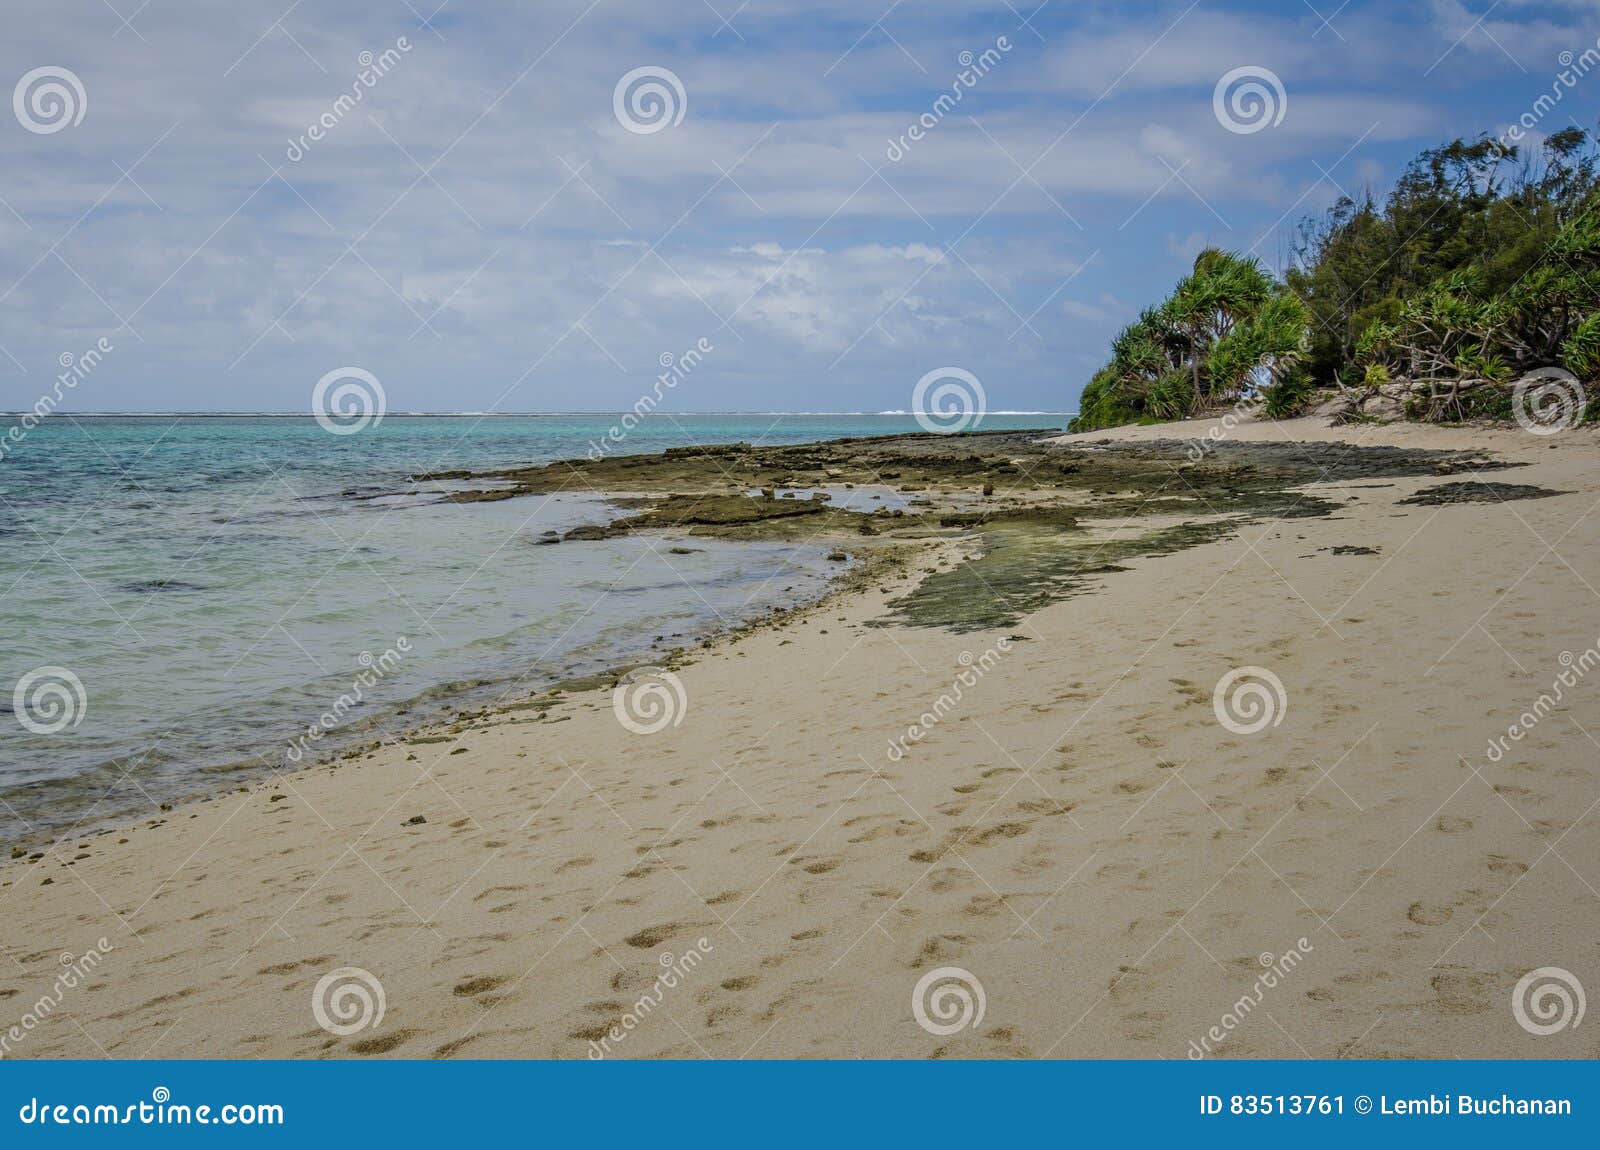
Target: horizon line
point(482, 414)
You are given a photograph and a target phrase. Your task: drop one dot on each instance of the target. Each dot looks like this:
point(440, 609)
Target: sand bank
point(845, 802)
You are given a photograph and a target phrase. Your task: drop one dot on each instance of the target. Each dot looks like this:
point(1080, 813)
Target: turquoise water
point(217, 583)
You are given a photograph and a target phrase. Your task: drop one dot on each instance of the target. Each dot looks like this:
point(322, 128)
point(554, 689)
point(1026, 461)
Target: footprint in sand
point(999, 831)
point(472, 987)
point(382, 1043)
point(1463, 993)
point(984, 906)
point(939, 950)
point(601, 1017)
point(899, 829)
point(820, 866)
point(1424, 914)
point(1505, 864)
point(653, 936)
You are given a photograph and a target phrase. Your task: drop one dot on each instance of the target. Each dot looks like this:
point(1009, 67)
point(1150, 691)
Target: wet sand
point(1069, 824)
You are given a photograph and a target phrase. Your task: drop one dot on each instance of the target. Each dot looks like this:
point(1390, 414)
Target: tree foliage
point(1481, 263)
point(1226, 329)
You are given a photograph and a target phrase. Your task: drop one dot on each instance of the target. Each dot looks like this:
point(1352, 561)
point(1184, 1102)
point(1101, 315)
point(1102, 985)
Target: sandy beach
point(1076, 830)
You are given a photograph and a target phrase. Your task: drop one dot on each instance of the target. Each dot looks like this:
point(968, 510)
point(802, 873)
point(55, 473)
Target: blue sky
point(481, 231)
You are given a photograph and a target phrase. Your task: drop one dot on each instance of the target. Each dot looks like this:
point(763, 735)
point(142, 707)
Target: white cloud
point(528, 242)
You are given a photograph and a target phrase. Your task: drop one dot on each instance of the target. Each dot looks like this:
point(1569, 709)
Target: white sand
point(1080, 833)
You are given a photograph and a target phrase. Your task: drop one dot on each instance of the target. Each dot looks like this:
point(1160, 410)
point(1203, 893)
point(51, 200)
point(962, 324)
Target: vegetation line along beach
point(1480, 269)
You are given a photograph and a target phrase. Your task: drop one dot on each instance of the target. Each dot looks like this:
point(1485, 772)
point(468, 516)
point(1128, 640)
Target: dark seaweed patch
point(1479, 491)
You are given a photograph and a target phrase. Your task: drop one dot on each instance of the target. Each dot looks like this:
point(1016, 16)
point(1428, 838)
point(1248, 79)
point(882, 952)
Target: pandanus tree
point(1206, 343)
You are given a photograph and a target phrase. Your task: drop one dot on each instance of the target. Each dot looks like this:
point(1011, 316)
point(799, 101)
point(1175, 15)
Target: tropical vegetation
point(1482, 263)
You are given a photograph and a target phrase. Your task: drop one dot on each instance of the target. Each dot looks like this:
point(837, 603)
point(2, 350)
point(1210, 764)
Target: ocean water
point(181, 597)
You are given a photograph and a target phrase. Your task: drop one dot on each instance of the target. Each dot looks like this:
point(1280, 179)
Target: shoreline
point(1032, 836)
point(405, 721)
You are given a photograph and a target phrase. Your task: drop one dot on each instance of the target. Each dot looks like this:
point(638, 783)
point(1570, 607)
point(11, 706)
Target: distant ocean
point(216, 583)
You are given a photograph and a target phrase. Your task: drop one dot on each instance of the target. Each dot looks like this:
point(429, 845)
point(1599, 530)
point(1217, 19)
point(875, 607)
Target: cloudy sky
point(494, 226)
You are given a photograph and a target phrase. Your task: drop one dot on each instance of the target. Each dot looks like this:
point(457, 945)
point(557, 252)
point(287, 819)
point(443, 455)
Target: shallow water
point(217, 583)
